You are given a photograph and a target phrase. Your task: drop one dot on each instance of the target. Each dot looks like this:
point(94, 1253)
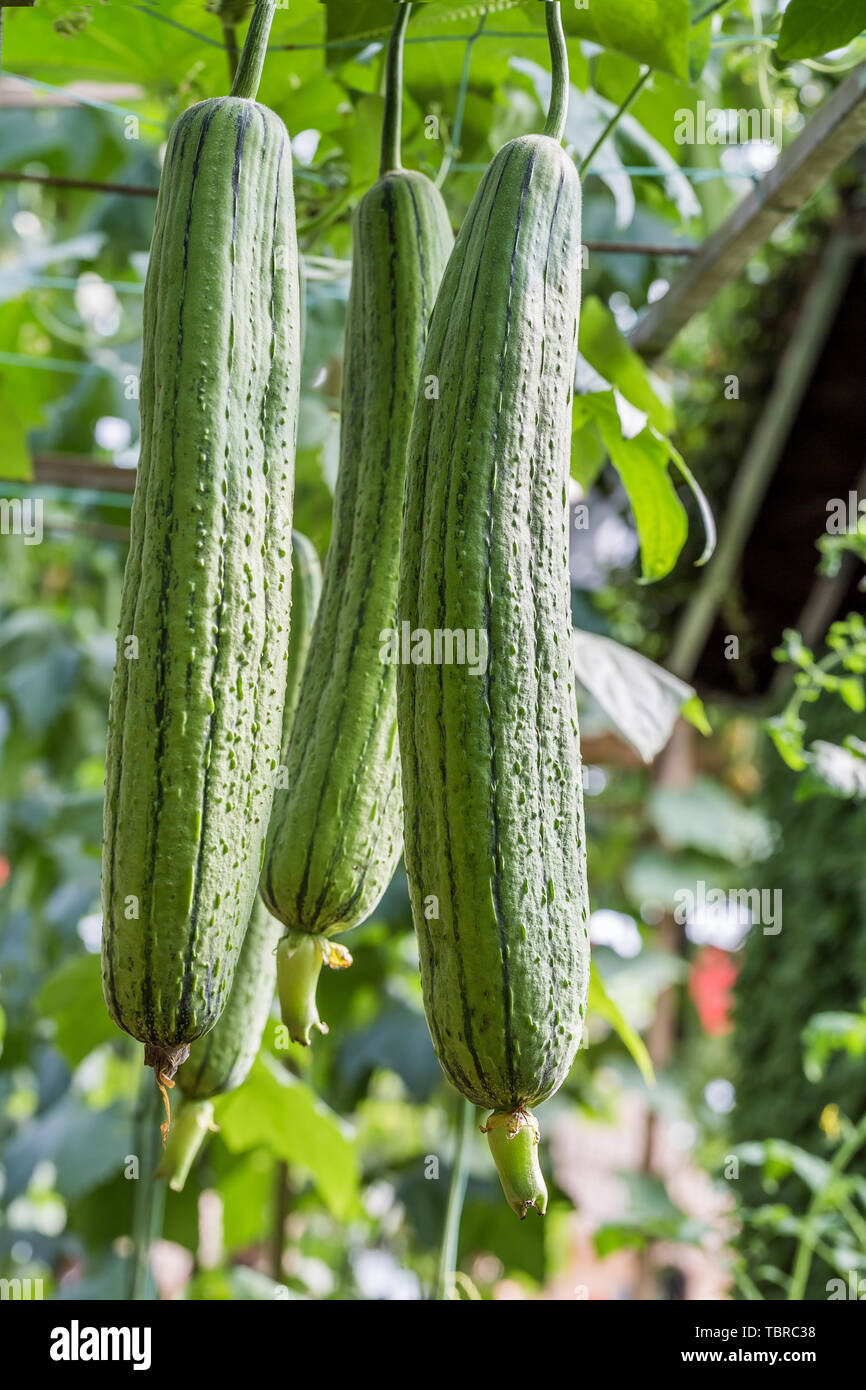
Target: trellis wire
point(76, 496)
point(460, 105)
point(449, 164)
point(77, 99)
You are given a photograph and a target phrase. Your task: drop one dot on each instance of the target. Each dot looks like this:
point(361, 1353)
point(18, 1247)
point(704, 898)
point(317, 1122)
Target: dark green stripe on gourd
point(336, 831)
point(491, 763)
point(221, 1061)
point(196, 710)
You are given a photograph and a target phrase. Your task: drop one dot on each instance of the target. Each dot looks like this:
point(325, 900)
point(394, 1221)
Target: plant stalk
point(249, 73)
point(557, 113)
point(148, 1198)
point(445, 1290)
point(230, 36)
point(392, 121)
point(615, 120)
point(809, 1238)
point(460, 105)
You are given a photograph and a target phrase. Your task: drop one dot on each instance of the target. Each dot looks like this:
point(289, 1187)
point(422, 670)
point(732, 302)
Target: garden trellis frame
point(836, 130)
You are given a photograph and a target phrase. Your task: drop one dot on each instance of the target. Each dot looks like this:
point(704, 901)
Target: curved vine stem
point(148, 1200)
point(636, 91)
point(249, 73)
point(460, 106)
point(615, 120)
point(809, 1235)
point(391, 124)
point(445, 1290)
point(554, 126)
point(230, 36)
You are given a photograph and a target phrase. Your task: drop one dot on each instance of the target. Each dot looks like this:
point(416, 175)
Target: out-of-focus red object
point(711, 981)
point(4, 871)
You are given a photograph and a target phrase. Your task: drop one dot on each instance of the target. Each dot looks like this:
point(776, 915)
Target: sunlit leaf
point(281, 1113)
point(642, 699)
point(601, 1003)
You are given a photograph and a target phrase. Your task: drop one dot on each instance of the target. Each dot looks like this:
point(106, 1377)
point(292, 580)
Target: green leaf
point(656, 32)
point(605, 348)
point(675, 183)
point(601, 1003)
point(588, 454)
point(694, 713)
point(86, 1147)
point(15, 462)
point(642, 464)
point(360, 139)
point(700, 45)
point(813, 27)
point(788, 743)
point(642, 699)
point(72, 999)
point(281, 1113)
point(834, 771)
point(694, 487)
point(707, 817)
point(853, 693)
point(364, 21)
point(828, 1033)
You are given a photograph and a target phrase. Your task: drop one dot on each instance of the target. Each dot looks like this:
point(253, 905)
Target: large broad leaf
point(700, 48)
point(605, 348)
point(642, 461)
point(85, 1146)
point(601, 1003)
point(72, 999)
point(643, 700)
point(364, 21)
point(15, 463)
point(656, 32)
point(282, 1114)
point(675, 183)
point(642, 464)
point(41, 689)
point(588, 454)
point(813, 27)
point(706, 817)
